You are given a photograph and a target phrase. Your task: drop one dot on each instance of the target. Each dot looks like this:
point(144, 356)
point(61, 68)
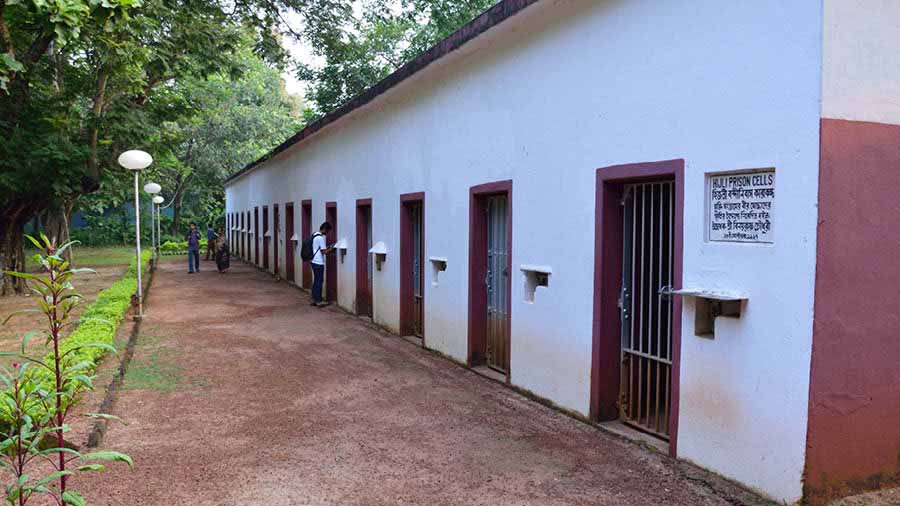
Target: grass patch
point(157, 370)
point(90, 256)
point(156, 367)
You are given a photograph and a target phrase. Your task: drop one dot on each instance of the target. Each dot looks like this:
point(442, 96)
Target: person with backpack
point(313, 251)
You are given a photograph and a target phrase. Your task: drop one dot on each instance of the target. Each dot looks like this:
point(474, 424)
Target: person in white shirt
point(320, 249)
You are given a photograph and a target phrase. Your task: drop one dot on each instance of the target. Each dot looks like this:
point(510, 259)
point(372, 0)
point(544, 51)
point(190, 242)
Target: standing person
point(320, 249)
point(193, 240)
point(223, 257)
point(211, 237)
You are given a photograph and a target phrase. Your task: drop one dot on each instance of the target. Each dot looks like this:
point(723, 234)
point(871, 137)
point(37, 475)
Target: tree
point(360, 52)
point(225, 122)
point(75, 76)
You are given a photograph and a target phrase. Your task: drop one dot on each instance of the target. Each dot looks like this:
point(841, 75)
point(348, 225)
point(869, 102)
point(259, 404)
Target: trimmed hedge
point(110, 306)
point(178, 248)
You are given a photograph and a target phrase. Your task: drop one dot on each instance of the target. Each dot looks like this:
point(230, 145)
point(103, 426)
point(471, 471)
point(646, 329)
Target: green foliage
point(39, 394)
point(360, 51)
point(178, 247)
point(104, 230)
point(99, 322)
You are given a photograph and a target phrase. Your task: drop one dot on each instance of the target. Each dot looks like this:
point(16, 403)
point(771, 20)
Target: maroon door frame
point(241, 232)
point(256, 236)
point(288, 243)
point(306, 232)
point(407, 302)
point(265, 237)
point(478, 269)
point(331, 277)
point(247, 239)
point(276, 224)
point(608, 251)
point(363, 221)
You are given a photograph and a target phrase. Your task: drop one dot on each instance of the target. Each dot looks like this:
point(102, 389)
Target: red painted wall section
point(853, 441)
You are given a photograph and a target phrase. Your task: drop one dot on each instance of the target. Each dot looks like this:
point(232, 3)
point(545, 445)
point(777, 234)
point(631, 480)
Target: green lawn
point(92, 257)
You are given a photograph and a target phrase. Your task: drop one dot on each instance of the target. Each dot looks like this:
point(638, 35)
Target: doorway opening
point(276, 219)
point(490, 275)
point(289, 242)
point(305, 233)
point(637, 323)
point(266, 237)
point(247, 239)
point(255, 235)
point(363, 257)
point(331, 274)
point(412, 265)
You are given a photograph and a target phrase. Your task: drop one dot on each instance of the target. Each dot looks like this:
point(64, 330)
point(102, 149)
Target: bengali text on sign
point(741, 206)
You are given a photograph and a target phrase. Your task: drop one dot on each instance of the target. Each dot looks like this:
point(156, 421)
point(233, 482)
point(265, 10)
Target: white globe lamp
point(136, 160)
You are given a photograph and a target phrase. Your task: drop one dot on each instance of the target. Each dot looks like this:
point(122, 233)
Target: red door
point(289, 244)
point(256, 235)
point(306, 232)
point(412, 268)
point(363, 258)
point(331, 277)
point(277, 222)
point(265, 238)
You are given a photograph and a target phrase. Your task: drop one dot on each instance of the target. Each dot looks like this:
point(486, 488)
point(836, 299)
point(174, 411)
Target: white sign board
point(740, 206)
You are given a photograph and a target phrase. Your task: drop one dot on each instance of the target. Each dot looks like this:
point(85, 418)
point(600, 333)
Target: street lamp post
point(158, 200)
point(136, 161)
point(153, 189)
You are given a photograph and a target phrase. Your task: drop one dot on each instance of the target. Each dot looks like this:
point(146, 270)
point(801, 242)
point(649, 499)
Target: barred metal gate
point(496, 281)
point(417, 266)
point(646, 306)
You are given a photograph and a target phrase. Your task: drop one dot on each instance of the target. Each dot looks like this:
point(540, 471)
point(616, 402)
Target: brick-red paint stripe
point(853, 441)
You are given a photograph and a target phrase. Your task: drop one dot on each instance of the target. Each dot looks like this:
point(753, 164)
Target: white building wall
point(861, 76)
point(547, 98)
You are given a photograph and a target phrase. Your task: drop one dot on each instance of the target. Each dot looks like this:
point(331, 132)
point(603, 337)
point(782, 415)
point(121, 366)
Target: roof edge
point(484, 22)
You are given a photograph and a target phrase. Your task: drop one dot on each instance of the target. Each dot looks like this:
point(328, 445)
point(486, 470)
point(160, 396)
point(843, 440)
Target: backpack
point(306, 249)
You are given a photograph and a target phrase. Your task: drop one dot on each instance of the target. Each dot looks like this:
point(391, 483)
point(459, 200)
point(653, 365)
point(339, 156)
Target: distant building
point(677, 217)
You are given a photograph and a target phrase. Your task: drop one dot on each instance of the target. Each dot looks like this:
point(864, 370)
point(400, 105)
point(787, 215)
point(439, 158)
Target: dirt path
point(242, 394)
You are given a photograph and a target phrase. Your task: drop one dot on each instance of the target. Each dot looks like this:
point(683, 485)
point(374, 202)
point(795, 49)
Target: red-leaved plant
point(40, 392)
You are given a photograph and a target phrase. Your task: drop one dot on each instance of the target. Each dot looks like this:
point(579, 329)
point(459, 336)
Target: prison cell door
point(276, 220)
point(646, 306)
point(331, 274)
point(289, 242)
point(418, 243)
point(305, 232)
point(267, 232)
point(496, 281)
point(364, 259)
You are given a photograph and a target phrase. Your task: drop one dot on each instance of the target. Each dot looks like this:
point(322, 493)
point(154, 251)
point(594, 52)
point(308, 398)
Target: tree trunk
point(13, 252)
point(176, 205)
point(56, 227)
point(176, 214)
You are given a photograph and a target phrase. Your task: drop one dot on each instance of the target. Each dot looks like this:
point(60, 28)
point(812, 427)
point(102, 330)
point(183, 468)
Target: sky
point(299, 50)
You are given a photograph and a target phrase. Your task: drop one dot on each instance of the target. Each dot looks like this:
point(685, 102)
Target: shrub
point(101, 319)
point(37, 401)
point(178, 248)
